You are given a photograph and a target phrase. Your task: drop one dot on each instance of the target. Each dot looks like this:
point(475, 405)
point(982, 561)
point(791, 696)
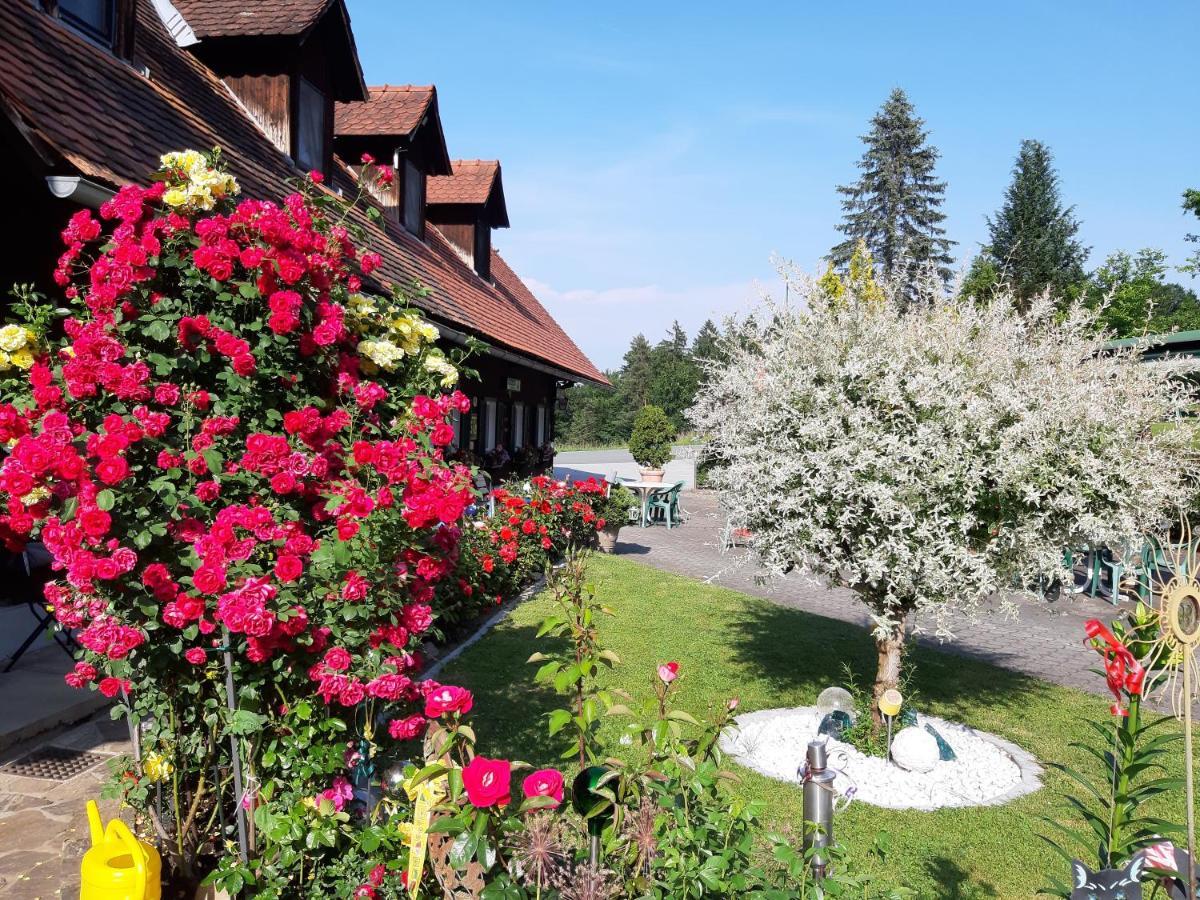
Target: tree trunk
point(890, 647)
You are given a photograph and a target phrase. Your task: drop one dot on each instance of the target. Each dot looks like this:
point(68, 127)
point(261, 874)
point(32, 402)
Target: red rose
point(407, 729)
point(209, 579)
point(544, 783)
point(448, 698)
point(288, 567)
point(95, 522)
point(112, 470)
point(195, 655)
point(110, 686)
point(487, 781)
point(337, 659)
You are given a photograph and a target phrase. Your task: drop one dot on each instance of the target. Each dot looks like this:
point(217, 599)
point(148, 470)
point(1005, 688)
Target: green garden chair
point(664, 505)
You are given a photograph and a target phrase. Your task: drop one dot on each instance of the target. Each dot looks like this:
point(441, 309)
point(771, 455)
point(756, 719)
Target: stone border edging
point(491, 622)
point(1027, 764)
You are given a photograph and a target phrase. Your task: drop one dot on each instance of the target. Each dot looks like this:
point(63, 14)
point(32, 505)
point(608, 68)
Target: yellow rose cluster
point(193, 184)
point(392, 333)
point(18, 346)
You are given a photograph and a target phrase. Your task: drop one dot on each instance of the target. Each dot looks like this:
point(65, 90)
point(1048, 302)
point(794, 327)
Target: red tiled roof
point(241, 18)
point(471, 182)
point(391, 110)
point(111, 123)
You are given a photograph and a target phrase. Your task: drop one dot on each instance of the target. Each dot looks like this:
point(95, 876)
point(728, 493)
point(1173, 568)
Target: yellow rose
point(156, 767)
point(23, 359)
point(5, 361)
point(175, 197)
point(12, 338)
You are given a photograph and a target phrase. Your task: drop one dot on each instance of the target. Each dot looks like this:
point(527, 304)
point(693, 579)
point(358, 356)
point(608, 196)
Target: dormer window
point(466, 206)
point(312, 122)
point(96, 20)
point(398, 126)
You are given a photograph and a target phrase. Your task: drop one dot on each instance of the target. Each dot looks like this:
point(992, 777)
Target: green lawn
point(732, 645)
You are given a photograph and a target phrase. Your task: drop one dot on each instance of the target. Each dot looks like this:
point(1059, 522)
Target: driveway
point(603, 463)
point(1045, 640)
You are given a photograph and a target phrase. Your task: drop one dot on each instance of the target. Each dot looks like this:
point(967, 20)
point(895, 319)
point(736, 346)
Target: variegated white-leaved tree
point(932, 456)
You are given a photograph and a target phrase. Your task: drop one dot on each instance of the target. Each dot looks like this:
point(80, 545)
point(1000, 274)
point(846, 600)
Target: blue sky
point(656, 155)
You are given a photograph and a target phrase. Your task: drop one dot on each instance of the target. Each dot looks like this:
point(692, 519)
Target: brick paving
point(1045, 641)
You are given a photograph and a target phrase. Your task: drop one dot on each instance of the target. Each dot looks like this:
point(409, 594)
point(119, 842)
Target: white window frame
point(518, 425)
point(540, 431)
point(489, 425)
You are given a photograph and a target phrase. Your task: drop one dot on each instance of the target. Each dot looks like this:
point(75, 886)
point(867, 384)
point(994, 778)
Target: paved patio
point(1046, 641)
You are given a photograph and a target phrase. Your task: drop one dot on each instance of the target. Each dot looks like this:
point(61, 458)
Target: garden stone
point(915, 750)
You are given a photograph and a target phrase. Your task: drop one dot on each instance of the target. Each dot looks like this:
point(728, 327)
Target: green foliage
point(895, 206)
point(574, 672)
point(1131, 752)
point(667, 375)
point(616, 508)
point(1032, 238)
point(650, 442)
point(1139, 299)
point(982, 278)
point(1191, 203)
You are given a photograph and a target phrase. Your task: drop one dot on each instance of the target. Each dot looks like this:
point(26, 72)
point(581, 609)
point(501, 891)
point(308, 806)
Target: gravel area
point(986, 771)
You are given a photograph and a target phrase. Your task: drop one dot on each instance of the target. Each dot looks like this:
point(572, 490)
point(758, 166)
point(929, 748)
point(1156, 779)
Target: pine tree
point(637, 373)
point(706, 346)
point(1033, 241)
point(895, 207)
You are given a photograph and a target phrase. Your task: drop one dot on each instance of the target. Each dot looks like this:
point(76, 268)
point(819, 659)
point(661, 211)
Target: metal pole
point(889, 743)
point(1190, 788)
point(594, 851)
point(236, 762)
point(818, 806)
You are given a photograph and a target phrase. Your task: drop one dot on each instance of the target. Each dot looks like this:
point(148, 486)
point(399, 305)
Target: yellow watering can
point(119, 866)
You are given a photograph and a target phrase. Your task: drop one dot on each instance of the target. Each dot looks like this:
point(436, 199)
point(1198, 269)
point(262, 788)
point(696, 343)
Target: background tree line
point(666, 374)
point(892, 216)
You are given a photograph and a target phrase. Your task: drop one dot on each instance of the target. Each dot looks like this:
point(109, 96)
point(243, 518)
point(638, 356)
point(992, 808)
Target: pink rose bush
point(217, 461)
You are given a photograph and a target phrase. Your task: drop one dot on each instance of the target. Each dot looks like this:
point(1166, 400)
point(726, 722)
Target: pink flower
point(488, 781)
point(668, 672)
point(544, 783)
point(339, 794)
point(448, 698)
point(338, 659)
point(195, 655)
point(317, 177)
point(407, 729)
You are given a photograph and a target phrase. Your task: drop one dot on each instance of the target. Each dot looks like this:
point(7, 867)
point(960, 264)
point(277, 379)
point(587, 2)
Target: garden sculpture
point(1108, 884)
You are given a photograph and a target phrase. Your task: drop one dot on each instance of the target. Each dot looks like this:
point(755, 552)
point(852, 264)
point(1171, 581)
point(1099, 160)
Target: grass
point(729, 644)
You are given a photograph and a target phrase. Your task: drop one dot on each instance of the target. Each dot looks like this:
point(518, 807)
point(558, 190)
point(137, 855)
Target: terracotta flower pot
point(606, 538)
point(652, 474)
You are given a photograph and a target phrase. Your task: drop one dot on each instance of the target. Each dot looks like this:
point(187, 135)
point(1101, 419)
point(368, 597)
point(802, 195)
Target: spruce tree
point(1033, 243)
point(895, 206)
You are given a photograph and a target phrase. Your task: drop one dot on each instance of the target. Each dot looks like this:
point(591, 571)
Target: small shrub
point(651, 440)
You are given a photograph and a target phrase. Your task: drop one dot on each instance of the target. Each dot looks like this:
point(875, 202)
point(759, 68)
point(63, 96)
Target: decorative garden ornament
point(890, 702)
point(1173, 655)
point(835, 699)
point(585, 798)
point(915, 749)
point(1108, 884)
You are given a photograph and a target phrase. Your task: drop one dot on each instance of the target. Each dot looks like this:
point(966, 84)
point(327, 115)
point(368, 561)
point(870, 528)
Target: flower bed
point(237, 460)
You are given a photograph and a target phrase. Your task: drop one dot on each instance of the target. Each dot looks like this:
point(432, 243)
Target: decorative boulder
point(915, 749)
point(945, 751)
point(836, 724)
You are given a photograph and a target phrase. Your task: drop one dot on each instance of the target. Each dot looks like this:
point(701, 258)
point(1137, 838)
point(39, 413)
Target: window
point(518, 440)
point(541, 425)
point(414, 197)
point(483, 250)
point(489, 425)
point(95, 18)
point(311, 117)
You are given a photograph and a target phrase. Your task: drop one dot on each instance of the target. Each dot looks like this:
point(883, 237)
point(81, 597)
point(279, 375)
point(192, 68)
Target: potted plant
point(614, 511)
point(650, 442)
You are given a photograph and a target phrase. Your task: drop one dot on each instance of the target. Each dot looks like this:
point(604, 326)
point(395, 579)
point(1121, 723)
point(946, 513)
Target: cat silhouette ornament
point(1108, 884)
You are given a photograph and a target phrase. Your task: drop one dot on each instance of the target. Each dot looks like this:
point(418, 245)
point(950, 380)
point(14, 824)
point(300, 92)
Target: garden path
point(1045, 640)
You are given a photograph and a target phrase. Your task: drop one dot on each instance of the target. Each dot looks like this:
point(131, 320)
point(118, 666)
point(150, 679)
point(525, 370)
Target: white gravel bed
point(987, 770)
